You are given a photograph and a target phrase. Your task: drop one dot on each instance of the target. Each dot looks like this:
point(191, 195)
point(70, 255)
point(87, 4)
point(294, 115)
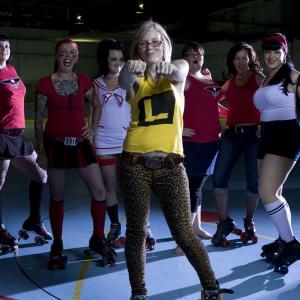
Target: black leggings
point(170, 185)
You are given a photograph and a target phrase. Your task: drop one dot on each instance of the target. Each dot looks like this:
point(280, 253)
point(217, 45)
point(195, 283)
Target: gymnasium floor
point(169, 277)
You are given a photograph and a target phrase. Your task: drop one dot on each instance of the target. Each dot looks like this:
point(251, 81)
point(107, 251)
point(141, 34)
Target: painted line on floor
point(86, 265)
point(80, 280)
point(82, 275)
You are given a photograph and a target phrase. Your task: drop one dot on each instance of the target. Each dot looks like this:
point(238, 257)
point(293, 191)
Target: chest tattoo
point(66, 87)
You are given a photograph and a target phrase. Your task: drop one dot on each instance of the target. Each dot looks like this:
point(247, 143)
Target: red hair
point(65, 41)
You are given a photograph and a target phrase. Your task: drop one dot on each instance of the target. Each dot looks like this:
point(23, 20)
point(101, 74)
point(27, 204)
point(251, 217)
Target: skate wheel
point(244, 238)
point(4, 249)
point(52, 266)
point(113, 264)
point(149, 247)
point(23, 234)
point(269, 257)
point(282, 269)
point(40, 241)
point(118, 243)
point(64, 259)
point(225, 243)
point(102, 263)
point(57, 264)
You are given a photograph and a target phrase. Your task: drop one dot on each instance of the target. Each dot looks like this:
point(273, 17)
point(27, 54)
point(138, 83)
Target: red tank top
point(201, 111)
point(12, 93)
point(241, 109)
point(65, 113)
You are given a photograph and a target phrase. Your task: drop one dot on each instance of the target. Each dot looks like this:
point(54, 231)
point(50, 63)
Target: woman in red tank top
point(201, 132)
point(240, 137)
point(15, 150)
point(65, 144)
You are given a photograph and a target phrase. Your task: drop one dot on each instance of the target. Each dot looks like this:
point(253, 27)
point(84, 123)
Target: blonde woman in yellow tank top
point(153, 155)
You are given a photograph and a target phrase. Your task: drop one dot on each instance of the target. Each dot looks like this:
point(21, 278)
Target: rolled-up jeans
point(237, 140)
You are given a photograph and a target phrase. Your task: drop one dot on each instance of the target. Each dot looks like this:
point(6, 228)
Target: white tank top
point(114, 120)
point(274, 104)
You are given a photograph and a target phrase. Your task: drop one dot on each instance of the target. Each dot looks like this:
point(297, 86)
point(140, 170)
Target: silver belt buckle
point(70, 141)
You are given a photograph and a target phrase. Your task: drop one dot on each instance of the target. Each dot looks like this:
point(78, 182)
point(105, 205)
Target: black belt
point(240, 129)
point(152, 163)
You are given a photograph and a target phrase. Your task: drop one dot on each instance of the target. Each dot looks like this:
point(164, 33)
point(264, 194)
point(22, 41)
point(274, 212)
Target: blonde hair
point(142, 30)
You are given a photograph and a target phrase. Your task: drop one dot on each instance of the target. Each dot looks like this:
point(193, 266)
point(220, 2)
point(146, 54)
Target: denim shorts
point(199, 156)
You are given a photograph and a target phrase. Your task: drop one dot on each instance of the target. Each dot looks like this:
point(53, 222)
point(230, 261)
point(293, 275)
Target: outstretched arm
point(175, 71)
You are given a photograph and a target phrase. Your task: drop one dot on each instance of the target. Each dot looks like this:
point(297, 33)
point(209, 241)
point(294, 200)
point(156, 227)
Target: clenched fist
point(167, 69)
point(136, 67)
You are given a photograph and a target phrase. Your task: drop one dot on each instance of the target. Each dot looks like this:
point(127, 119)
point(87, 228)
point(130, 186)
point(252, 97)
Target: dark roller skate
point(99, 245)
point(249, 233)
point(113, 236)
point(150, 240)
point(139, 297)
point(271, 250)
point(215, 293)
point(288, 254)
point(7, 242)
point(38, 228)
point(57, 260)
point(223, 230)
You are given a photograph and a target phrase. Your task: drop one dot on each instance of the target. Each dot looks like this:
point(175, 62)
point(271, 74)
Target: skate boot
point(100, 246)
point(150, 240)
point(113, 236)
point(249, 233)
point(7, 242)
point(38, 228)
point(223, 230)
point(57, 260)
point(215, 293)
point(288, 254)
point(271, 250)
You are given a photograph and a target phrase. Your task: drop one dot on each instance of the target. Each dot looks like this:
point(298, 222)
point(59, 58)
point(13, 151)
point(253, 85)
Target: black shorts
point(13, 144)
point(61, 156)
point(280, 138)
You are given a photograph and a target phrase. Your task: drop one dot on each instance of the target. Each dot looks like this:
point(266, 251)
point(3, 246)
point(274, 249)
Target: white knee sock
point(279, 212)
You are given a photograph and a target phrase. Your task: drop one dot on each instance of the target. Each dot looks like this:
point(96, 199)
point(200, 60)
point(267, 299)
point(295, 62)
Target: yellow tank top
point(157, 118)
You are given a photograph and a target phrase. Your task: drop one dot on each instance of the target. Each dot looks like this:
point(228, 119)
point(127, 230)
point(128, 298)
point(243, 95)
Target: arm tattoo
point(66, 87)
point(96, 109)
point(40, 115)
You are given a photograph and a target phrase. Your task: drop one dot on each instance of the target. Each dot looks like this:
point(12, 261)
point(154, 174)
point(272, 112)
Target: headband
point(280, 39)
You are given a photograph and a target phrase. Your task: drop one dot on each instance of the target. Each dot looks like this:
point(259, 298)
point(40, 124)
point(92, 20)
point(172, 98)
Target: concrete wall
point(33, 50)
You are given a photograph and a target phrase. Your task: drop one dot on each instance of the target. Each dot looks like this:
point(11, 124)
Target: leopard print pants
point(170, 186)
